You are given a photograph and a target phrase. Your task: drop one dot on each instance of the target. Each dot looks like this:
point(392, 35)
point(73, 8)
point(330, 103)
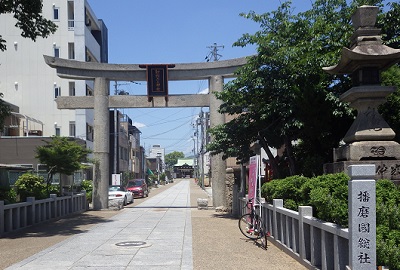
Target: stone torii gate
point(101, 102)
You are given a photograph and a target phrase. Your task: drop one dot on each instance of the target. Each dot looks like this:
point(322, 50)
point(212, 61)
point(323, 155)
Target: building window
point(56, 52)
point(72, 129)
point(57, 92)
point(71, 51)
point(72, 89)
point(89, 91)
point(58, 131)
point(89, 132)
point(56, 13)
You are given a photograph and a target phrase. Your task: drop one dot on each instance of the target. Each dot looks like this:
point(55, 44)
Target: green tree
point(390, 110)
point(61, 155)
point(172, 158)
point(282, 96)
point(28, 18)
point(4, 112)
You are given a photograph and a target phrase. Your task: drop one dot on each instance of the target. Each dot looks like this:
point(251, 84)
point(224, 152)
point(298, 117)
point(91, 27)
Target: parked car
point(119, 192)
point(138, 187)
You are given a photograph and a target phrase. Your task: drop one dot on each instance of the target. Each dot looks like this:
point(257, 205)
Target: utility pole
point(214, 52)
point(202, 147)
point(204, 117)
point(116, 128)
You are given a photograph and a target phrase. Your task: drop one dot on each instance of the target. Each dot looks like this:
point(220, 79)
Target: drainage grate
point(131, 244)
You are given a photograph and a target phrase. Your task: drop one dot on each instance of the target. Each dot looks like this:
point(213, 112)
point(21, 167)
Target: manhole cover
point(131, 244)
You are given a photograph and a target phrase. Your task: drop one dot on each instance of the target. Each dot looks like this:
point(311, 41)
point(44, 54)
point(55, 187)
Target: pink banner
point(253, 171)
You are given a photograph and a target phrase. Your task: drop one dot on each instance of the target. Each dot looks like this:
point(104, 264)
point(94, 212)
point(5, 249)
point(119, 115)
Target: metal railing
point(17, 216)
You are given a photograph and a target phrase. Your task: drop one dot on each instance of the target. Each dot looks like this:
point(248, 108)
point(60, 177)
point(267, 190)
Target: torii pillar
point(101, 144)
point(218, 166)
point(101, 102)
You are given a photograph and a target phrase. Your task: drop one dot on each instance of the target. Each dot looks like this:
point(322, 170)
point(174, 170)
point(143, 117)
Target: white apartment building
point(28, 83)
point(157, 151)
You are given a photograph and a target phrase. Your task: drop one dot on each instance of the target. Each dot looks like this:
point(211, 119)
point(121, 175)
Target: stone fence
point(314, 243)
point(17, 216)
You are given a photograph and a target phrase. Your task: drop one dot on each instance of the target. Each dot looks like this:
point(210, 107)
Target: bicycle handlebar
point(251, 203)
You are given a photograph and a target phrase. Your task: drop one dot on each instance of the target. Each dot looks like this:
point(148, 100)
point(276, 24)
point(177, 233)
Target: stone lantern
point(369, 139)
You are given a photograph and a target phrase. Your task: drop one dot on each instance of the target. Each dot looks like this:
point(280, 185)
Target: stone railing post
point(1, 217)
point(53, 208)
point(32, 217)
point(235, 201)
point(85, 204)
point(304, 237)
point(276, 203)
point(72, 204)
point(362, 217)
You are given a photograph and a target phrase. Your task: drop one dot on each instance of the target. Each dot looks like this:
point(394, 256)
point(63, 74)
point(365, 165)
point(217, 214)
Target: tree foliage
point(172, 158)
point(61, 155)
point(282, 97)
point(28, 18)
point(390, 110)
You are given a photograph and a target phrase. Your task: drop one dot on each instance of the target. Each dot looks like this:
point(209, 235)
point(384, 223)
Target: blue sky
point(176, 31)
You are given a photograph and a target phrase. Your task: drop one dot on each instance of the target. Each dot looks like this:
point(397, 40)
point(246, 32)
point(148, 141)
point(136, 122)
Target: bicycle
point(251, 225)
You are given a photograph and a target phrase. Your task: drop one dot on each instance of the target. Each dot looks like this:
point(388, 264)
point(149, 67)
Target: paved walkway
point(165, 231)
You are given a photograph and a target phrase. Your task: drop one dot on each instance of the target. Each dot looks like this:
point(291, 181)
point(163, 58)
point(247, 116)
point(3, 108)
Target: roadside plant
point(8, 195)
point(328, 196)
point(61, 155)
point(30, 185)
point(87, 185)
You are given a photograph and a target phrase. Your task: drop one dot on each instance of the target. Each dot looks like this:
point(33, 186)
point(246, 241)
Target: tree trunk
point(289, 151)
point(272, 160)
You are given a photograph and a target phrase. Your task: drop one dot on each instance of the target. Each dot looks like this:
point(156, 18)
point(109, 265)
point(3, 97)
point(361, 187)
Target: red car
point(138, 187)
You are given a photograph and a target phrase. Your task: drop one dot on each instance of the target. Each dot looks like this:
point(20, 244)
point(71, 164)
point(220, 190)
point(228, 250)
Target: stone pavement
point(164, 231)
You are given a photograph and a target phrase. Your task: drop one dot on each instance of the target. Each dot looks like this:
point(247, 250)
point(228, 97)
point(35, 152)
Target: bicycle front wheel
point(251, 226)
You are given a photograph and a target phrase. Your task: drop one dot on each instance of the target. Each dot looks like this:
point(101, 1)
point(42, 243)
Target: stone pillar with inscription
point(370, 139)
point(362, 217)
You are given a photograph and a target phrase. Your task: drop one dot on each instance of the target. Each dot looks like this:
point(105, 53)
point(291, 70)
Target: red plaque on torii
point(157, 80)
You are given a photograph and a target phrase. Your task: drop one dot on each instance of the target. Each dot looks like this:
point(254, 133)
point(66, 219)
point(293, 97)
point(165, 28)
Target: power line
point(153, 136)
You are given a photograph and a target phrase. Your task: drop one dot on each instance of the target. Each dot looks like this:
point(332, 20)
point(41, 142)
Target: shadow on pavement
point(224, 215)
point(70, 225)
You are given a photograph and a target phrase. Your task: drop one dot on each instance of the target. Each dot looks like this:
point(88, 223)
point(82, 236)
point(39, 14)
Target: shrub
point(288, 189)
point(388, 224)
point(328, 195)
point(87, 185)
point(52, 189)
point(8, 195)
point(30, 185)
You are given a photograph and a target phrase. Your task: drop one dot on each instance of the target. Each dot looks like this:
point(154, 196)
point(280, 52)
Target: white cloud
point(204, 91)
point(139, 125)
